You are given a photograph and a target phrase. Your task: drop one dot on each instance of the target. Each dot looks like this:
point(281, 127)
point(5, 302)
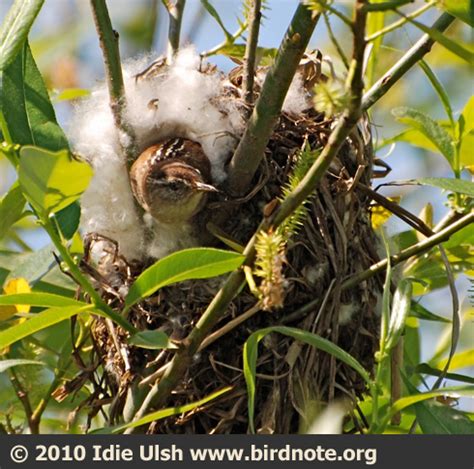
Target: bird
point(171, 179)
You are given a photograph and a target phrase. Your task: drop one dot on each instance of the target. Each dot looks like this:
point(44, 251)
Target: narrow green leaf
point(15, 28)
point(11, 209)
point(10, 363)
point(38, 322)
point(164, 413)
point(188, 264)
point(51, 181)
point(419, 311)
point(213, 12)
point(447, 43)
point(154, 340)
point(26, 106)
point(47, 300)
point(439, 88)
point(461, 360)
point(460, 186)
point(429, 370)
point(400, 308)
point(452, 391)
point(430, 128)
point(438, 419)
point(250, 354)
point(461, 9)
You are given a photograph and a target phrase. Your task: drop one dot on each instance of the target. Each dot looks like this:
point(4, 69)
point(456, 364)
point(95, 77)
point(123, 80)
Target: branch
point(161, 389)
point(397, 24)
point(416, 53)
point(251, 148)
point(108, 39)
point(175, 10)
point(254, 18)
point(411, 251)
point(25, 402)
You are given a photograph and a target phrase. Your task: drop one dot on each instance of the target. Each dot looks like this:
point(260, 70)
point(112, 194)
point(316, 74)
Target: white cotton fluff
point(179, 102)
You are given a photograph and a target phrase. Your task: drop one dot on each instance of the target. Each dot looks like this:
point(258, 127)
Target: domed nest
point(334, 242)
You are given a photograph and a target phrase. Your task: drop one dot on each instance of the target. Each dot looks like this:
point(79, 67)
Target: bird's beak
point(200, 186)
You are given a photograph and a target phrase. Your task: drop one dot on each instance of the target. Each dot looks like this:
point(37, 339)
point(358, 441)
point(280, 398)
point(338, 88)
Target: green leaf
point(39, 322)
point(33, 266)
point(467, 116)
point(26, 106)
point(68, 219)
point(154, 340)
point(213, 12)
point(462, 9)
point(439, 88)
point(51, 181)
point(452, 391)
point(164, 413)
point(461, 360)
point(15, 28)
point(461, 186)
point(10, 363)
point(438, 419)
point(419, 311)
point(47, 300)
point(188, 264)
point(400, 308)
point(428, 370)
point(430, 128)
point(264, 56)
point(11, 209)
point(449, 44)
point(250, 354)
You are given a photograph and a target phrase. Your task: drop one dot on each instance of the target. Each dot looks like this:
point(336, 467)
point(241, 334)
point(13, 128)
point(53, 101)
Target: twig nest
point(335, 241)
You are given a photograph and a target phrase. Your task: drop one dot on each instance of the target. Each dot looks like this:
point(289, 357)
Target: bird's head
point(171, 189)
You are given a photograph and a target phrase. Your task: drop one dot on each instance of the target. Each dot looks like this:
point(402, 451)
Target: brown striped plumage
point(170, 180)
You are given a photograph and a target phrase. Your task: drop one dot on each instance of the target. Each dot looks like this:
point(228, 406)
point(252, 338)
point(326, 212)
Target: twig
point(384, 6)
point(230, 326)
point(175, 10)
point(400, 22)
point(227, 42)
point(108, 39)
point(411, 251)
point(25, 402)
point(160, 391)
point(335, 41)
point(250, 150)
point(417, 52)
point(251, 51)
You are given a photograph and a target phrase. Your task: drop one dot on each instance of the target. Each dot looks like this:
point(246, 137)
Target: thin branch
point(22, 395)
point(416, 53)
point(161, 389)
point(384, 6)
point(175, 10)
point(250, 150)
point(335, 42)
point(108, 39)
point(396, 24)
point(411, 251)
point(254, 18)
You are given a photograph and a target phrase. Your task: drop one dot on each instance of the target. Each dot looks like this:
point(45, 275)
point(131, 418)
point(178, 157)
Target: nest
point(335, 242)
